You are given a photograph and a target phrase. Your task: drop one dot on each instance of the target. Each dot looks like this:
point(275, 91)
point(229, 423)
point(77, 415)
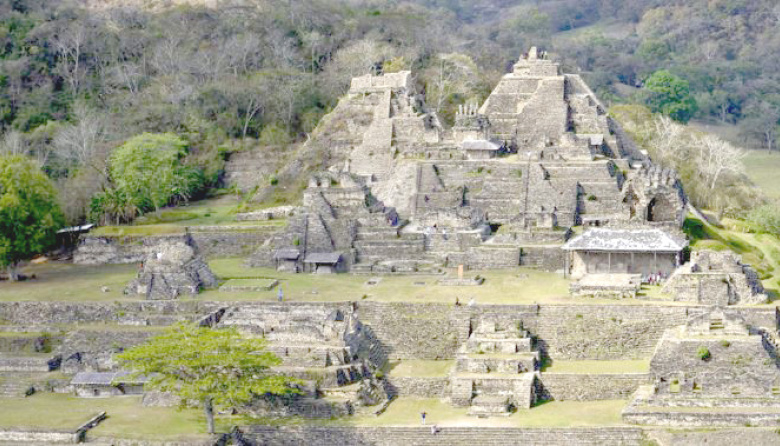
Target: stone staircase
point(495, 370)
point(716, 324)
point(378, 240)
point(374, 158)
point(325, 346)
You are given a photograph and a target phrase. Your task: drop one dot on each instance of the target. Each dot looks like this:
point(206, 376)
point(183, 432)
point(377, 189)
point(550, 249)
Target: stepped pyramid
point(495, 370)
point(326, 347)
point(498, 190)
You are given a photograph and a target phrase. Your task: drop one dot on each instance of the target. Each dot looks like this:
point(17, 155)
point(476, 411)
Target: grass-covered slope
point(760, 250)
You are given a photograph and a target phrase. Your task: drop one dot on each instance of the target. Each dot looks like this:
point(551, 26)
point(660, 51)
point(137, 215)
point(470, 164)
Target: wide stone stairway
point(495, 370)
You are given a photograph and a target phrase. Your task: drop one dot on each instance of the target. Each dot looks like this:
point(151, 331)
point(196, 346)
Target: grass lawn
point(57, 281)
point(126, 416)
point(762, 168)
point(419, 368)
point(405, 411)
point(516, 286)
point(211, 212)
point(592, 366)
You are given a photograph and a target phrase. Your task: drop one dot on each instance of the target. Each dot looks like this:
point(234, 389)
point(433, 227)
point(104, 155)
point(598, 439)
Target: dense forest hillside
point(79, 79)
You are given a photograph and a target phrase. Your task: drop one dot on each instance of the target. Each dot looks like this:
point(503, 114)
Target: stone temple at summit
point(502, 188)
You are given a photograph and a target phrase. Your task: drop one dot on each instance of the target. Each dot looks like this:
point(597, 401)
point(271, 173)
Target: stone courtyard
point(521, 277)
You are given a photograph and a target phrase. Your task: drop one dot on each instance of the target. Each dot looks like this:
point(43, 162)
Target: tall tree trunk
point(13, 274)
point(209, 409)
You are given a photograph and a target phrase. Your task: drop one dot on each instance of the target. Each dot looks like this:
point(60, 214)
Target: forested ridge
point(81, 80)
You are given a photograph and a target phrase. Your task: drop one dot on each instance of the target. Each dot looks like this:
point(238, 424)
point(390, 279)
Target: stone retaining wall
point(211, 241)
point(452, 436)
point(424, 331)
point(421, 387)
point(591, 386)
point(26, 436)
point(34, 314)
point(703, 418)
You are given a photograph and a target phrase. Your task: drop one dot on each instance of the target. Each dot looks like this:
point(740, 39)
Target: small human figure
point(457, 301)
point(434, 430)
point(444, 234)
point(281, 294)
point(427, 199)
point(422, 416)
point(472, 302)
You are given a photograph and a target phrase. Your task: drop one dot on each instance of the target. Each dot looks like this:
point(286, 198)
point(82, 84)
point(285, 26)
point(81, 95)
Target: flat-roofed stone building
point(641, 251)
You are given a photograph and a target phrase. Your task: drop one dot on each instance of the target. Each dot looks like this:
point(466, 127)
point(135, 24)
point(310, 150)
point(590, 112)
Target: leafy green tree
point(216, 367)
point(148, 171)
point(670, 95)
point(29, 213)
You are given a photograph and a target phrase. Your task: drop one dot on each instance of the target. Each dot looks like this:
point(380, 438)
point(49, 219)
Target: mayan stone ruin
point(521, 277)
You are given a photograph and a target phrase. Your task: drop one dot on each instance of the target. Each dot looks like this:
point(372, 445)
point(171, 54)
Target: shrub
point(703, 353)
point(592, 197)
point(766, 218)
point(725, 343)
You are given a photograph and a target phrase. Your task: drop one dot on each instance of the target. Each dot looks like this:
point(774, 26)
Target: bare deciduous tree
point(82, 141)
point(69, 44)
point(13, 143)
point(716, 156)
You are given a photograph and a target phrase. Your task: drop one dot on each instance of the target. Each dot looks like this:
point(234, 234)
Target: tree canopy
point(148, 173)
point(29, 212)
point(216, 367)
point(670, 95)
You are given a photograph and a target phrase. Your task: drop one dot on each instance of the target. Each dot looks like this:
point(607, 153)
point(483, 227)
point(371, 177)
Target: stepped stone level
point(716, 278)
point(174, 269)
point(715, 363)
point(538, 157)
point(495, 370)
point(328, 348)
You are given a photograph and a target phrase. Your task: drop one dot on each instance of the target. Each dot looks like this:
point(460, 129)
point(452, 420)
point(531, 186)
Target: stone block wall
point(488, 257)
point(211, 241)
point(33, 436)
point(34, 314)
point(546, 258)
point(421, 331)
point(603, 332)
point(591, 386)
point(453, 436)
point(421, 387)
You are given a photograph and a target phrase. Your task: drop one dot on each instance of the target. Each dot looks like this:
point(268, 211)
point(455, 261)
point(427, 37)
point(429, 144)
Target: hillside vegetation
point(81, 79)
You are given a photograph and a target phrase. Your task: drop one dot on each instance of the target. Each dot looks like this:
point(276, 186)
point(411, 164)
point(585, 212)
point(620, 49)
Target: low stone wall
point(421, 387)
point(720, 437)
point(703, 418)
point(27, 436)
point(114, 441)
point(591, 386)
point(211, 241)
point(451, 436)
point(215, 242)
point(100, 250)
point(33, 314)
